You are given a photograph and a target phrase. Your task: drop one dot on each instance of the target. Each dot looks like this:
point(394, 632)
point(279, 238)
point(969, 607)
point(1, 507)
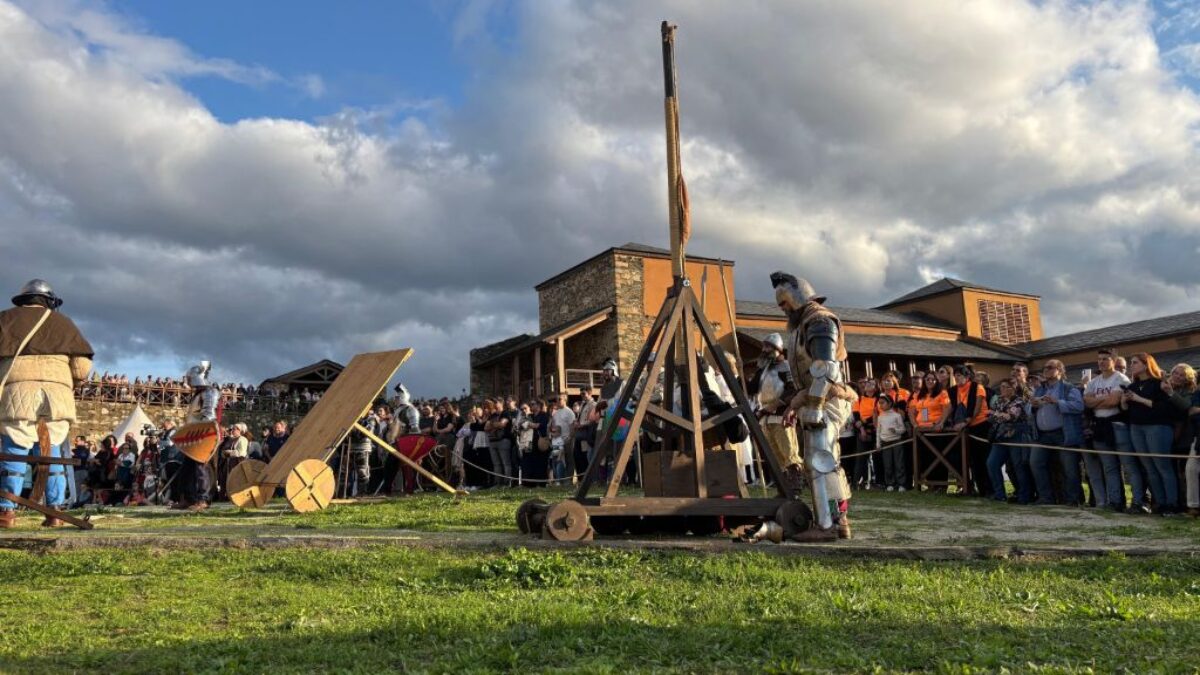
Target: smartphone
point(1087, 373)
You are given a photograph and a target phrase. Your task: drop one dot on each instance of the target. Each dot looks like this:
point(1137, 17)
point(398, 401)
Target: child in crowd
point(890, 428)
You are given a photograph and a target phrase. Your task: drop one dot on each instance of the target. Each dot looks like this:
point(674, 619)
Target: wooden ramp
point(300, 462)
point(345, 403)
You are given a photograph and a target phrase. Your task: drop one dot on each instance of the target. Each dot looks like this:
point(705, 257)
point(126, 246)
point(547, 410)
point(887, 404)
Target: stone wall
point(584, 289)
point(632, 322)
point(97, 419)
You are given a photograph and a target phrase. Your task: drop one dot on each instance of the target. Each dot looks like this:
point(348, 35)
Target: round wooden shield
point(198, 440)
point(310, 486)
point(244, 489)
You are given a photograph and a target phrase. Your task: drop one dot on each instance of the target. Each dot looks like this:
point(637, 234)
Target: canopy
point(133, 425)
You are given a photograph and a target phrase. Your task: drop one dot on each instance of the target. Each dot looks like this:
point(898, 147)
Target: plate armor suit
point(816, 348)
point(195, 482)
point(773, 389)
point(42, 356)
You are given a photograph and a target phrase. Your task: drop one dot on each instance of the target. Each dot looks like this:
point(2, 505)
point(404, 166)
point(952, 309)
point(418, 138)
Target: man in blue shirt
point(1058, 413)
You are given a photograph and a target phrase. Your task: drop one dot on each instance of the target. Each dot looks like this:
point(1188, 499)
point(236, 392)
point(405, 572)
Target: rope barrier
point(889, 446)
point(1092, 451)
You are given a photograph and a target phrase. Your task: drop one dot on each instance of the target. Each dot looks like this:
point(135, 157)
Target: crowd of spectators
point(1037, 438)
point(1122, 438)
point(172, 391)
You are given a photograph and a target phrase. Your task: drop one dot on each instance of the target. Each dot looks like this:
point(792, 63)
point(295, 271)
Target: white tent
point(133, 425)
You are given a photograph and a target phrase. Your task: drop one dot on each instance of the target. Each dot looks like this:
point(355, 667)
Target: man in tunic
point(42, 356)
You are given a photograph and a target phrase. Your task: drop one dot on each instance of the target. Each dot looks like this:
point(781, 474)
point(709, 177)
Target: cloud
point(1043, 147)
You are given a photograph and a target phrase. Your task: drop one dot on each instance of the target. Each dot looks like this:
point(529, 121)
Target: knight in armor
point(774, 389)
point(195, 483)
point(42, 356)
point(405, 420)
point(816, 349)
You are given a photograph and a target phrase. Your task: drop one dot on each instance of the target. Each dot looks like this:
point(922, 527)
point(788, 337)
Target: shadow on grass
point(779, 644)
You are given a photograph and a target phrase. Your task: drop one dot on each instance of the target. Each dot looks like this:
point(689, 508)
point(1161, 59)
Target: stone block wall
point(586, 288)
point(97, 419)
point(632, 322)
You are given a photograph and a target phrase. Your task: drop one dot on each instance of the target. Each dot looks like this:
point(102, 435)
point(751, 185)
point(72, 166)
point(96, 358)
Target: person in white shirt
point(889, 428)
point(562, 419)
point(1102, 396)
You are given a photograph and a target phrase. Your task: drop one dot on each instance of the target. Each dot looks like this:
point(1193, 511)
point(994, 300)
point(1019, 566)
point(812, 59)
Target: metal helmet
point(775, 340)
point(197, 375)
point(402, 394)
point(37, 288)
point(801, 291)
point(611, 364)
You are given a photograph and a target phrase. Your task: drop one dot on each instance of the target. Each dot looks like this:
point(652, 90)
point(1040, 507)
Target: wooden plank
point(560, 366)
point(604, 442)
point(416, 466)
point(681, 506)
point(330, 420)
point(46, 510)
point(718, 420)
point(670, 418)
point(783, 487)
point(635, 424)
point(693, 378)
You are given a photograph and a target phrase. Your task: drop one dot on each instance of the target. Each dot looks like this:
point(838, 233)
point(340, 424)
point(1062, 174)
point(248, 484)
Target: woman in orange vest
point(864, 428)
point(971, 413)
point(889, 385)
point(927, 409)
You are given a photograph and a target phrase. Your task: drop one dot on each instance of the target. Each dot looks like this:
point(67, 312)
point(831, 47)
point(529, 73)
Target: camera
point(149, 431)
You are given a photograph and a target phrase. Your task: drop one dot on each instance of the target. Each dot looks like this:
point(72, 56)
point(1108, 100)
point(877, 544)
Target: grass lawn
point(594, 610)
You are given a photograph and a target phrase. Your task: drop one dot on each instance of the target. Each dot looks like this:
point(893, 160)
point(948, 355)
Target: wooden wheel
point(567, 521)
point(530, 514)
point(794, 517)
point(244, 489)
point(310, 486)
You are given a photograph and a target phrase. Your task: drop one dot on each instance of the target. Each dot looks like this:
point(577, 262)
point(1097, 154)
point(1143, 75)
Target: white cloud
point(1043, 147)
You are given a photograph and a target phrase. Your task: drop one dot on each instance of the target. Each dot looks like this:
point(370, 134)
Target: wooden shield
point(198, 440)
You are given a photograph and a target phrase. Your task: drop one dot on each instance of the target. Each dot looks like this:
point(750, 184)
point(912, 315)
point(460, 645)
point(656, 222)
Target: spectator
point(1102, 396)
point(562, 420)
point(500, 446)
point(889, 385)
point(1151, 420)
point(970, 412)
point(1058, 415)
point(928, 407)
point(863, 411)
point(1010, 428)
point(1192, 468)
point(585, 430)
point(275, 440)
point(890, 429)
point(479, 461)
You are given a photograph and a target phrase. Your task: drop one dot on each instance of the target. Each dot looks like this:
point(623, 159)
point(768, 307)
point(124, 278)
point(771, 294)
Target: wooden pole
point(671, 110)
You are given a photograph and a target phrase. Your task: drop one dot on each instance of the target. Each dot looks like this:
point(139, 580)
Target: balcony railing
point(173, 395)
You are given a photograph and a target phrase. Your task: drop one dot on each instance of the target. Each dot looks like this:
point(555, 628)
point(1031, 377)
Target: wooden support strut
point(46, 510)
point(414, 465)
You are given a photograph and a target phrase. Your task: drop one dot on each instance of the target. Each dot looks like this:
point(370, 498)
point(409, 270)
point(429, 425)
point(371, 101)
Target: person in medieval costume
point(195, 483)
point(406, 419)
point(815, 349)
point(42, 356)
point(774, 389)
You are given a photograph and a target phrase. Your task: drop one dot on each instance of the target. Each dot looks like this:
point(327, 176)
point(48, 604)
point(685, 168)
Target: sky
point(267, 184)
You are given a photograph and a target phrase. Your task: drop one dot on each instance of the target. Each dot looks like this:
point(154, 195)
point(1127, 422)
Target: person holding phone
point(1102, 395)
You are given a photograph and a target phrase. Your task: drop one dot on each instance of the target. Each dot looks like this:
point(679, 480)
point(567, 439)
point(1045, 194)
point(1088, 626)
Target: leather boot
point(7, 519)
point(51, 521)
point(843, 528)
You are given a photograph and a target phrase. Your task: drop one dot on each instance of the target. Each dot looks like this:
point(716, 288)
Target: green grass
point(593, 610)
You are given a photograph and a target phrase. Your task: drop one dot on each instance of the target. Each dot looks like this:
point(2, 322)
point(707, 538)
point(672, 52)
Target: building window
point(1004, 323)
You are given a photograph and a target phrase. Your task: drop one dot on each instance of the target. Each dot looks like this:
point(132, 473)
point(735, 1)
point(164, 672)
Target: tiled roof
point(903, 345)
point(520, 343)
point(944, 285)
point(853, 315)
point(1114, 335)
